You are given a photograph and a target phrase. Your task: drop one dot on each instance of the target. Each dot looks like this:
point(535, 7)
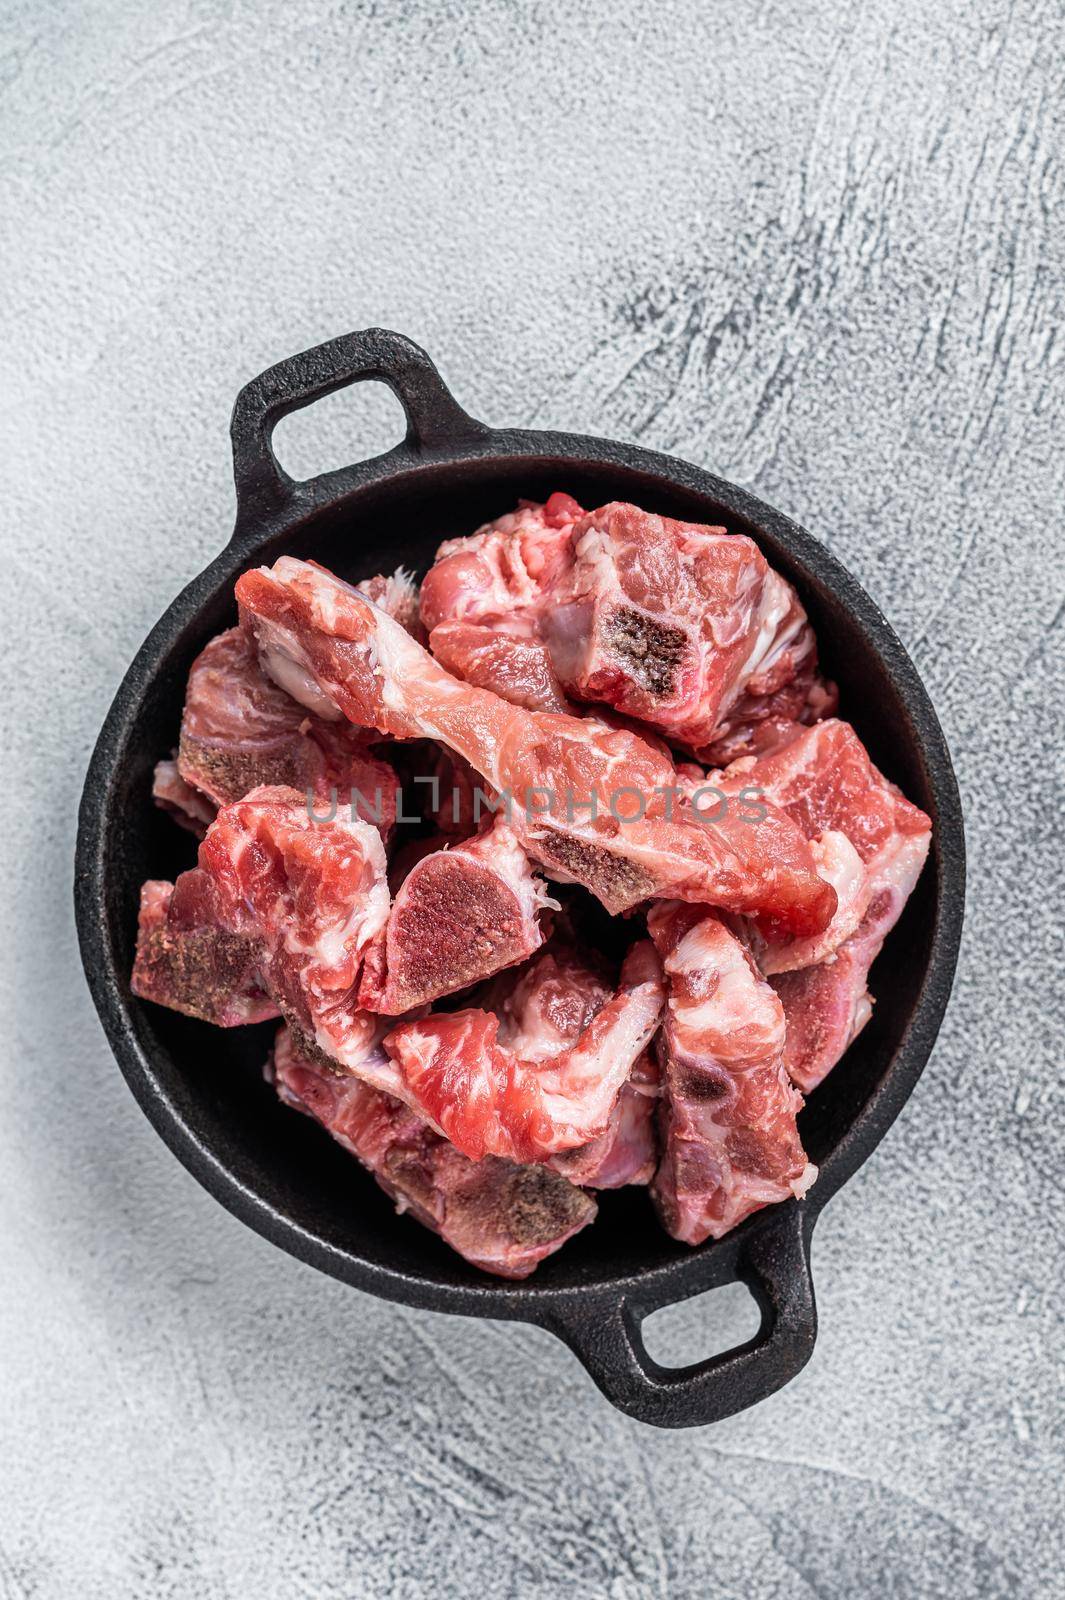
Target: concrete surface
point(817, 248)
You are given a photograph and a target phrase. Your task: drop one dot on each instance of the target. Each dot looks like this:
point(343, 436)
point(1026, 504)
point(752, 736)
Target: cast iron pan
point(202, 1087)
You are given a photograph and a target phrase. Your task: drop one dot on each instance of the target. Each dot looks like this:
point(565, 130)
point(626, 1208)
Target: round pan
point(202, 1087)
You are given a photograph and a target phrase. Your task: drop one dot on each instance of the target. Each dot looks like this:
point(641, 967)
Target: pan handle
point(435, 420)
point(605, 1335)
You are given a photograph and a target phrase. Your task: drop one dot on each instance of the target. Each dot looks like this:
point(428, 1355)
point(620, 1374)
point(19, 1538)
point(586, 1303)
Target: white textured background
point(817, 248)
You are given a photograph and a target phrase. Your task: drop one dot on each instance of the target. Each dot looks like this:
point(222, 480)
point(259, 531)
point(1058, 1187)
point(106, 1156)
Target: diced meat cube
point(315, 896)
point(866, 834)
point(500, 573)
point(673, 623)
point(682, 627)
point(823, 778)
point(308, 899)
point(482, 601)
point(827, 1006)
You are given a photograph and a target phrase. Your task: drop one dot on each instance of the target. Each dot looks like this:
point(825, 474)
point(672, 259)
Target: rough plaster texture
point(817, 248)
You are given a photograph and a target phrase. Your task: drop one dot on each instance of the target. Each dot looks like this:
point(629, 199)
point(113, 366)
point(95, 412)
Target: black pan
point(202, 1088)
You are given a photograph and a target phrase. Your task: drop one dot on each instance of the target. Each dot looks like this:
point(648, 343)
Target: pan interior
point(212, 1078)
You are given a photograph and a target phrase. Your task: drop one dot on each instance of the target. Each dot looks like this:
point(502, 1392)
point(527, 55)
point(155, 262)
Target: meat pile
point(406, 805)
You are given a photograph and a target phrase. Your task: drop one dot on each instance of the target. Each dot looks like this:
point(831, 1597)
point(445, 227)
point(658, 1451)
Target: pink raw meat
point(490, 1101)
point(824, 779)
point(825, 1009)
point(500, 1217)
point(827, 1006)
point(315, 898)
point(312, 898)
point(500, 573)
point(188, 962)
point(870, 836)
point(460, 915)
point(682, 626)
point(627, 1152)
point(775, 722)
point(731, 1141)
point(482, 600)
point(543, 1009)
point(313, 893)
point(839, 864)
point(507, 662)
point(329, 647)
point(239, 730)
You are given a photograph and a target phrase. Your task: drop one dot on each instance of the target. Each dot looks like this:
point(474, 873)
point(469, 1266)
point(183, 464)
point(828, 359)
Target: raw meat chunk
point(825, 1009)
point(499, 574)
point(489, 1101)
point(774, 723)
point(543, 1009)
point(483, 597)
point(673, 623)
point(823, 778)
point(310, 898)
point(328, 646)
point(239, 730)
point(315, 896)
point(627, 1151)
point(731, 1141)
point(839, 864)
point(500, 1217)
point(827, 1006)
point(188, 962)
point(508, 663)
point(683, 627)
point(869, 835)
point(460, 915)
